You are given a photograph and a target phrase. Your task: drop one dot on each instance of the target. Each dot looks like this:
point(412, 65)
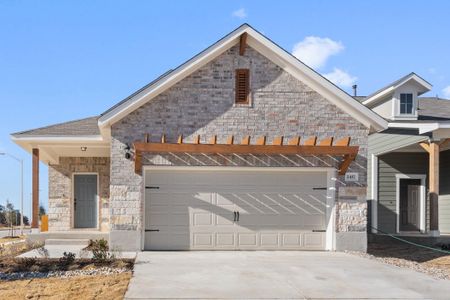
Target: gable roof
point(388, 89)
point(267, 48)
point(81, 127)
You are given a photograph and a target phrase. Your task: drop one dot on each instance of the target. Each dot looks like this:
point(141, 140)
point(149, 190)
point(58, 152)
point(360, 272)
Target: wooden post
point(434, 187)
point(35, 189)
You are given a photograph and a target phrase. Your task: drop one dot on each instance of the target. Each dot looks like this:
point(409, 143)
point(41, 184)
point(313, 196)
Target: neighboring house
point(408, 169)
point(208, 156)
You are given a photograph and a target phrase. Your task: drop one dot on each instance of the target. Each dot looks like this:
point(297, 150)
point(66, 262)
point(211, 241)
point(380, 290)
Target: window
point(242, 86)
point(406, 104)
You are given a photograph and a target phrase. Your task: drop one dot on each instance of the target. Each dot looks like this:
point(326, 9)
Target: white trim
point(422, 177)
point(279, 56)
point(80, 138)
point(374, 192)
point(422, 127)
point(330, 243)
point(427, 87)
point(72, 206)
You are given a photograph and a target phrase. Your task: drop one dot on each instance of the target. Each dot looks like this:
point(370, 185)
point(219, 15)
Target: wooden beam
point(443, 143)
point(343, 142)
point(230, 140)
point(180, 139)
point(138, 160)
point(434, 185)
point(245, 140)
point(245, 149)
point(326, 142)
point(345, 164)
point(295, 141)
point(35, 189)
point(425, 146)
point(242, 43)
point(213, 140)
point(311, 141)
point(278, 140)
point(261, 140)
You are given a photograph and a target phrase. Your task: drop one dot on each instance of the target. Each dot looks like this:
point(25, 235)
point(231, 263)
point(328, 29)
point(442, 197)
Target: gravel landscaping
point(397, 253)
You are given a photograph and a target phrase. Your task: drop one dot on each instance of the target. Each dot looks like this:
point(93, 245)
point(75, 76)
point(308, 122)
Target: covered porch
point(409, 182)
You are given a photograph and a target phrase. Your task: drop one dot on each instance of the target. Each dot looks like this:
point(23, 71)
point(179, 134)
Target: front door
point(410, 204)
point(85, 201)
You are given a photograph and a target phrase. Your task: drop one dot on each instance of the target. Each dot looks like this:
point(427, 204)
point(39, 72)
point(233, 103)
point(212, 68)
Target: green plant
point(67, 259)
point(100, 250)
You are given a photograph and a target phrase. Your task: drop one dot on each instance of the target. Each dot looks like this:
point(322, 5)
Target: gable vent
point(242, 86)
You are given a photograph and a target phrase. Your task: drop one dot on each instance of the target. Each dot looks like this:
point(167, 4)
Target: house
point(241, 147)
point(408, 168)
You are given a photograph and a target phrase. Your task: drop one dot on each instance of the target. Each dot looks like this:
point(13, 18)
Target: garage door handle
point(238, 216)
point(319, 189)
point(151, 230)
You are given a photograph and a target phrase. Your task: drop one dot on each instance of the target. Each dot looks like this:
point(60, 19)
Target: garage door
point(233, 210)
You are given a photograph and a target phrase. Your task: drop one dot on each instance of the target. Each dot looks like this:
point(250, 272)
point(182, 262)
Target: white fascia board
point(62, 139)
point(166, 82)
point(426, 85)
point(279, 56)
point(316, 81)
point(382, 94)
point(422, 127)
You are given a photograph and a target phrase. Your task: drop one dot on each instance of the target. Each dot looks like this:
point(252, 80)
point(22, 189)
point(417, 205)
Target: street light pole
point(21, 187)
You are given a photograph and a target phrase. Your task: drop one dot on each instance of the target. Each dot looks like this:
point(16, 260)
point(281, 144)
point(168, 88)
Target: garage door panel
point(277, 210)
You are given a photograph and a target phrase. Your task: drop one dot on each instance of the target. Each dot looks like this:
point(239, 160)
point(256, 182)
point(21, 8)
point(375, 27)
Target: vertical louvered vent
point(242, 86)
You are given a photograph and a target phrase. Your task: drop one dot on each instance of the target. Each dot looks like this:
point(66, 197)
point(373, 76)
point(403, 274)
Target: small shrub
point(67, 259)
point(100, 251)
point(25, 263)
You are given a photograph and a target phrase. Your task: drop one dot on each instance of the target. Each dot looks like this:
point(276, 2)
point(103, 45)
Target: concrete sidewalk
point(276, 275)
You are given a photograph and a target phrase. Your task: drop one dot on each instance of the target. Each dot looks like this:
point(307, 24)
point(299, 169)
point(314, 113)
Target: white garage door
point(231, 210)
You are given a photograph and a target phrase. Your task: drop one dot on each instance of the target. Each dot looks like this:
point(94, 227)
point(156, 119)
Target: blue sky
point(63, 60)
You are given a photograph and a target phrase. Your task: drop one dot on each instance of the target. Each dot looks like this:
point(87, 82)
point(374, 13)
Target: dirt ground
point(11, 239)
point(80, 287)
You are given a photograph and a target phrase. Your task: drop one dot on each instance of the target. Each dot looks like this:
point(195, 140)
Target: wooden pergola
point(279, 146)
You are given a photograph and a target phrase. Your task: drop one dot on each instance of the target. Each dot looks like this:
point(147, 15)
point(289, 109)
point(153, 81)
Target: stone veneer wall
point(203, 103)
point(60, 190)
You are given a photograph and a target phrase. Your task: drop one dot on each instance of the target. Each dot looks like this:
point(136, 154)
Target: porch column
point(35, 189)
point(434, 187)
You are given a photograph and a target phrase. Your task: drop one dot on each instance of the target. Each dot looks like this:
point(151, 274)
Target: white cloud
point(240, 13)
point(315, 51)
point(341, 78)
point(446, 92)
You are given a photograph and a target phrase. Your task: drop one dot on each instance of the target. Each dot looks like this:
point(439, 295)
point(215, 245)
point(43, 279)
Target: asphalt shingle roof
point(433, 108)
point(81, 127)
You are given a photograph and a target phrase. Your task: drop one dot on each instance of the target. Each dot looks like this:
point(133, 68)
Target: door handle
point(74, 203)
point(238, 216)
point(235, 214)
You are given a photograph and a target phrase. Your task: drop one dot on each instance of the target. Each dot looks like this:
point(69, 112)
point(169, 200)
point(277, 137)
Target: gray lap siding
point(389, 165)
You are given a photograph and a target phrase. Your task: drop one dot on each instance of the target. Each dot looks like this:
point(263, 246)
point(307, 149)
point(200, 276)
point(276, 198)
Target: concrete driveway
point(276, 275)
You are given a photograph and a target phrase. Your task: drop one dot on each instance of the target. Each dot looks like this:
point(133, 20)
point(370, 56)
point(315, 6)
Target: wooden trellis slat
point(309, 147)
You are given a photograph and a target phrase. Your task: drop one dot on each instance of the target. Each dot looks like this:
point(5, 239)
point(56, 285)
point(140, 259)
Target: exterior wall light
point(83, 149)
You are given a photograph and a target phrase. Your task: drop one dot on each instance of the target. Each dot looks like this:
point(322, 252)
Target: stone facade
point(60, 190)
point(203, 103)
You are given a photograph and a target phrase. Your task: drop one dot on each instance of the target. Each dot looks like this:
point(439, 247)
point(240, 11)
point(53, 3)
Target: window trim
point(406, 104)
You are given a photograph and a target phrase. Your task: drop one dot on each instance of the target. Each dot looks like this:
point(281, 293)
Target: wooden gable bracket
point(242, 43)
point(277, 147)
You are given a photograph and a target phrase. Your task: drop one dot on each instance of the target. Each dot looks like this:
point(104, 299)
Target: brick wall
point(60, 190)
point(203, 103)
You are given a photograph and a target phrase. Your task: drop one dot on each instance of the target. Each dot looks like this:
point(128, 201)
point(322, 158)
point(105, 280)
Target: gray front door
point(410, 204)
point(85, 201)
